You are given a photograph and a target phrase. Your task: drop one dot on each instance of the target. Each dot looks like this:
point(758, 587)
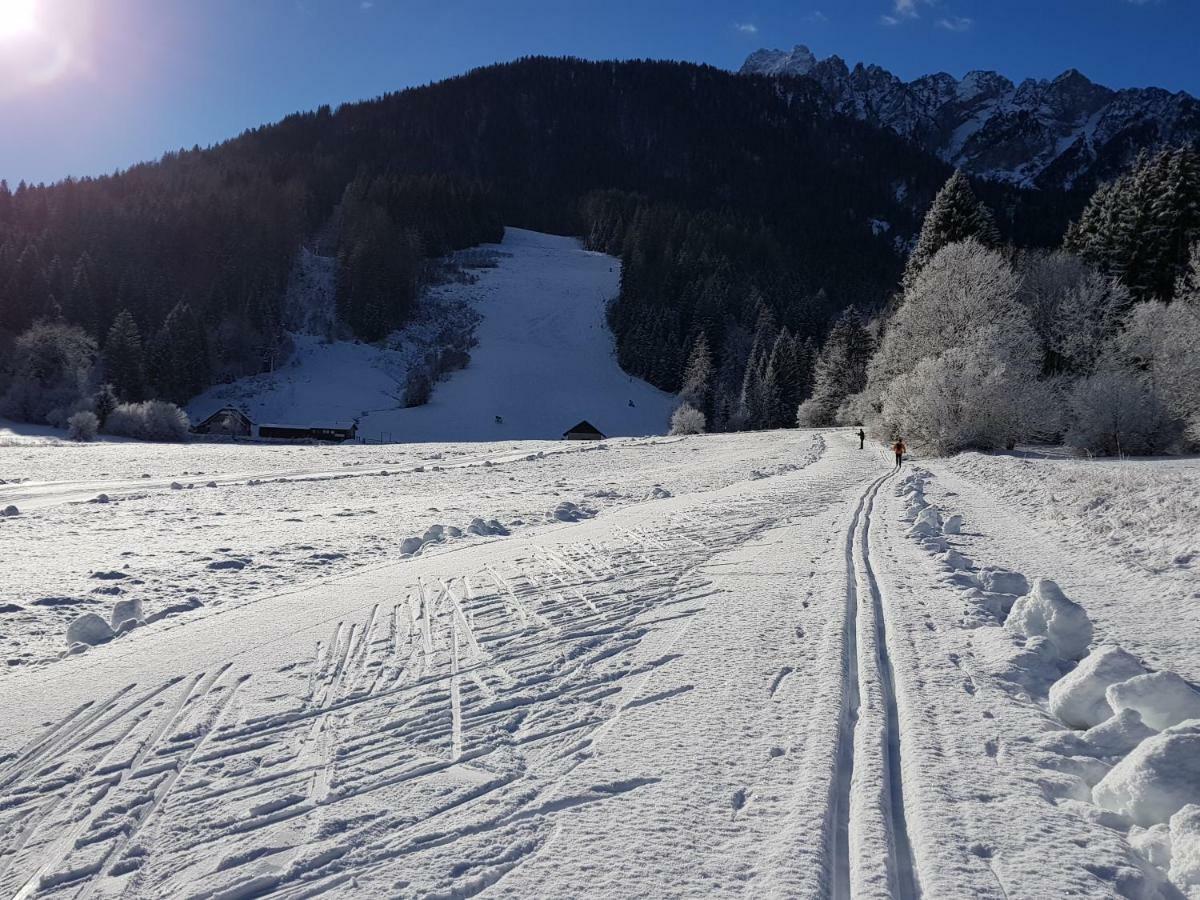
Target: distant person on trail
point(862, 438)
point(899, 449)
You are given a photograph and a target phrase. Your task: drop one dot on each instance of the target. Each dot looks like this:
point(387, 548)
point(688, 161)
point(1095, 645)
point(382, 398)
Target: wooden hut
point(584, 431)
point(226, 421)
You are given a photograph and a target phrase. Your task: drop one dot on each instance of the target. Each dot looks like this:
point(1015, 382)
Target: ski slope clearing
point(761, 664)
point(544, 361)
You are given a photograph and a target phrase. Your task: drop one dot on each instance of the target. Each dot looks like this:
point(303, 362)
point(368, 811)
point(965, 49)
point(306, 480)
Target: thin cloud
point(746, 27)
point(956, 23)
point(816, 16)
point(903, 11)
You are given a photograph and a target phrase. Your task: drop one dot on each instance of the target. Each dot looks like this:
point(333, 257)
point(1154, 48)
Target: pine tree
point(179, 365)
point(124, 361)
point(956, 214)
point(840, 369)
point(697, 377)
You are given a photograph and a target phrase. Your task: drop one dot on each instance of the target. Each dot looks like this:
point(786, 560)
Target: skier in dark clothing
point(899, 449)
point(862, 438)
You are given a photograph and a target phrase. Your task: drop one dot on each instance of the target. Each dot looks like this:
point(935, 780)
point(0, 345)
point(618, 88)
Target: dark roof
point(225, 410)
point(584, 427)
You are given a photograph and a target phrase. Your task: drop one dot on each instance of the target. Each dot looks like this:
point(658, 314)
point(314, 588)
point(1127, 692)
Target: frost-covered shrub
point(961, 400)
point(418, 387)
point(51, 364)
point(1114, 412)
point(1161, 341)
point(687, 420)
point(153, 420)
point(83, 426)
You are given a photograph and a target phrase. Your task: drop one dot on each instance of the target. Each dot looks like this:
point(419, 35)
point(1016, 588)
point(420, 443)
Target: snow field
point(1135, 747)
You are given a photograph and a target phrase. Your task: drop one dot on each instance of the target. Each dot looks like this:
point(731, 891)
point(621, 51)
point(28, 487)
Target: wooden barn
point(226, 421)
point(336, 433)
point(584, 431)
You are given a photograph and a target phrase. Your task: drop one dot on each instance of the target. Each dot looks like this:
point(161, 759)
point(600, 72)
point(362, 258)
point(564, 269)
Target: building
point(226, 421)
point(335, 433)
point(584, 431)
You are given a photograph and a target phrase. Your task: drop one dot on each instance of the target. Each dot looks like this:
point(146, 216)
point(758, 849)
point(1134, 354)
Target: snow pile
point(438, 534)
point(1079, 698)
point(570, 512)
point(9, 511)
point(125, 612)
point(88, 630)
point(1185, 850)
point(1163, 699)
point(1047, 612)
point(1156, 780)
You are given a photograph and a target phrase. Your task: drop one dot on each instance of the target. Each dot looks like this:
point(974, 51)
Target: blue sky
point(100, 84)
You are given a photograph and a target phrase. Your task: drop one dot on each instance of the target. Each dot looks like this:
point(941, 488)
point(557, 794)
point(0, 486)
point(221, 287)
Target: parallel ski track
point(902, 874)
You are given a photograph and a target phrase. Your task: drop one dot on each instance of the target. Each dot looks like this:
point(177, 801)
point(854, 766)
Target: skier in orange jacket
point(899, 449)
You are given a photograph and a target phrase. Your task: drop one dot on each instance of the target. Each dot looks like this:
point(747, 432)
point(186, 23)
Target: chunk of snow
point(1185, 850)
point(9, 511)
point(1156, 780)
point(411, 545)
point(1003, 581)
point(1117, 735)
point(89, 629)
point(1154, 843)
point(124, 610)
point(953, 524)
point(1046, 612)
point(1078, 698)
point(1163, 698)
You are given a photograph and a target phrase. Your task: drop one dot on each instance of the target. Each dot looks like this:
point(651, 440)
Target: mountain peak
point(1021, 134)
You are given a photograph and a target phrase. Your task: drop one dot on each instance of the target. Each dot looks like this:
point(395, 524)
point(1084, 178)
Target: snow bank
point(1185, 850)
point(1156, 780)
point(88, 629)
point(1078, 699)
point(1163, 698)
point(1046, 612)
point(1117, 735)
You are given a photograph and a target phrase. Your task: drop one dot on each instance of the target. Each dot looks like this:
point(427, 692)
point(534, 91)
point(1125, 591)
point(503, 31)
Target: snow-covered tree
point(966, 399)
point(956, 215)
point(82, 426)
point(51, 365)
point(697, 376)
point(1160, 343)
point(1074, 308)
point(151, 420)
point(1114, 412)
point(687, 420)
point(840, 369)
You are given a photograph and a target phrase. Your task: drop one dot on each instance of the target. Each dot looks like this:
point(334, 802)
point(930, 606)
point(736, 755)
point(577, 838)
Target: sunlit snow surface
point(755, 664)
point(544, 361)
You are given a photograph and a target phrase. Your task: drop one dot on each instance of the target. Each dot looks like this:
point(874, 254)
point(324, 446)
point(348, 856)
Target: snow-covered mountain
point(1066, 132)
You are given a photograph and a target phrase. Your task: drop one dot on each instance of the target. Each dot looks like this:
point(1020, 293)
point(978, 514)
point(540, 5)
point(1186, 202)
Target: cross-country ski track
point(778, 682)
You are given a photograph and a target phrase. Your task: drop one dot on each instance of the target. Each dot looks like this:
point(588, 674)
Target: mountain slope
point(1066, 132)
point(543, 361)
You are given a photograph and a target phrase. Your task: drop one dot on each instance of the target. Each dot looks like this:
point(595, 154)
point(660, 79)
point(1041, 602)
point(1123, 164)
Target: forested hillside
point(732, 202)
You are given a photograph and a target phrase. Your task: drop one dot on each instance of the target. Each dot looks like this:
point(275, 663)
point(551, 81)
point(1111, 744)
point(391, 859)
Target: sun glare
point(17, 18)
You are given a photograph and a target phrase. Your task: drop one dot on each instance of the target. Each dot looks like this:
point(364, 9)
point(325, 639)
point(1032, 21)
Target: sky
point(90, 86)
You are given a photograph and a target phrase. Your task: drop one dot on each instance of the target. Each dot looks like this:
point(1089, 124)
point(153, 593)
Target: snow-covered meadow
point(728, 664)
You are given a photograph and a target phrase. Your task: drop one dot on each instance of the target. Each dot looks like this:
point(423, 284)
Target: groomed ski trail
point(871, 852)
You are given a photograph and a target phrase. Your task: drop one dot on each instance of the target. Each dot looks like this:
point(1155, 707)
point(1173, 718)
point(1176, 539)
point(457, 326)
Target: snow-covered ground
point(758, 664)
point(544, 361)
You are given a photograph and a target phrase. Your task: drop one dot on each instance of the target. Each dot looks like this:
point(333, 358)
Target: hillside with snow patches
point(762, 664)
point(543, 359)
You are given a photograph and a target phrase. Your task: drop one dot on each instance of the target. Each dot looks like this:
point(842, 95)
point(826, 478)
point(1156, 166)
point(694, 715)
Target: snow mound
point(1162, 698)
point(1003, 581)
point(1048, 613)
point(88, 629)
point(124, 611)
point(9, 511)
point(953, 524)
point(1156, 780)
point(485, 529)
point(1185, 850)
point(571, 512)
point(1078, 699)
point(1117, 735)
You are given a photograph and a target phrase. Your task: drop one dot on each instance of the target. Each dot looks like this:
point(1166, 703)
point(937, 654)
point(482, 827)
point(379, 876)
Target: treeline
point(1093, 343)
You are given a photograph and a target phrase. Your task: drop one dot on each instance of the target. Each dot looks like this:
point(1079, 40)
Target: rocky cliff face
point(1067, 132)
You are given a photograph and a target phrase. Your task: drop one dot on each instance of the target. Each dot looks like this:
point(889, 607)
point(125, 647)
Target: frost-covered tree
point(1160, 343)
point(124, 361)
point(965, 297)
point(82, 426)
point(967, 399)
point(1114, 412)
point(1074, 308)
point(697, 376)
point(51, 365)
point(839, 370)
point(956, 215)
point(151, 420)
point(687, 420)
